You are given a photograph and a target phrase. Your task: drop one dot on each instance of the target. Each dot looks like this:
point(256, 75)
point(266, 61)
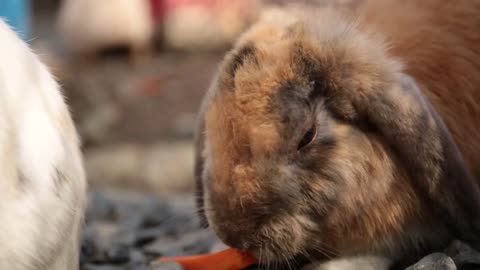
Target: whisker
point(295, 263)
point(328, 253)
point(307, 255)
point(261, 264)
point(268, 265)
point(323, 252)
point(288, 263)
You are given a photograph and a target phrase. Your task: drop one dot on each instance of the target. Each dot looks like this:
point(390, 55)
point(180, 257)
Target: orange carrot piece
point(229, 259)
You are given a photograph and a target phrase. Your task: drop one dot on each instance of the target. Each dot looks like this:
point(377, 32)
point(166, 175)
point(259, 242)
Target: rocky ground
point(129, 231)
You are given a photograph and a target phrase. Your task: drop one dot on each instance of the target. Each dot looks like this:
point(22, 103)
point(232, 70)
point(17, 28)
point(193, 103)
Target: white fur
point(89, 25)
point(42, 181)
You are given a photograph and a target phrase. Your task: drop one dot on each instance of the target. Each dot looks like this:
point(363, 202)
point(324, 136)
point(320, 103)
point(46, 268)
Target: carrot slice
point(229, 259)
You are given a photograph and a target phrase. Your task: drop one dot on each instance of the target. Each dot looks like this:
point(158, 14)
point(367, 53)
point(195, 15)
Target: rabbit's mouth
point(281, 240)
point(285, 238)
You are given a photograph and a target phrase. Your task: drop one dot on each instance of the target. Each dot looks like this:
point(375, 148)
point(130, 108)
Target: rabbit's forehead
point(262, 94)
point(278, 84)
point(333, 58)
point(267, 95)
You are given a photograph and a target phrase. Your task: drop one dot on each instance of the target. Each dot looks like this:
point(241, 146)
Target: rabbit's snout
point(268, 241)
point(258, 210)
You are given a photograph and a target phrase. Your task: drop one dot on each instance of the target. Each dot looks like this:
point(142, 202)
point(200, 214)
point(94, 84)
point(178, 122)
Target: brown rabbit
point(327, 135)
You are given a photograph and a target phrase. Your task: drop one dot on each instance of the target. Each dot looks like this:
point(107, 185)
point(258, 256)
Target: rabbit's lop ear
point(410, 124)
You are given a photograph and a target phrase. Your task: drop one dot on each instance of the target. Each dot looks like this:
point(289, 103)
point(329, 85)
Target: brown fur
point(383, 174)
point(438, 42)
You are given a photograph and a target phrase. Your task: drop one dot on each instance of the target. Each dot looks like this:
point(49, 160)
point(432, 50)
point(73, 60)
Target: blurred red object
point(150, 86)
point(158, 9)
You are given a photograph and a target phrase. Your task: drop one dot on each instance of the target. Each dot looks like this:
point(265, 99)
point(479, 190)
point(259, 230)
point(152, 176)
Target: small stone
point(118, 254)
point(198, 241)
point(434, 261)
point(156, 216)
point(138, 237)
point(164, 247)
point(134, 222)
point(91, 250)
point(100, 208)
point(137, 257)
point(126, 238)
point(463, 255)
point(188, 244)
point(101, 233)
point(88, 250)
point(138, 267)
point(103, 267)
point(178, 225)
point(147, 236)
point(157, 265)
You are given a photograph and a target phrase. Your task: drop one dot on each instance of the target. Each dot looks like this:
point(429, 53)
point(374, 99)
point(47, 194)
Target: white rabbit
point(42, 180)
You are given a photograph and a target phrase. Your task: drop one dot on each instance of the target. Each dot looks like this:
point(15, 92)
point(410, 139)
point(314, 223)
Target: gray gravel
point(129, 231)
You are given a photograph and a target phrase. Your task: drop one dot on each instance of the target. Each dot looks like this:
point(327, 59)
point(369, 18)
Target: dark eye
point(307, 137)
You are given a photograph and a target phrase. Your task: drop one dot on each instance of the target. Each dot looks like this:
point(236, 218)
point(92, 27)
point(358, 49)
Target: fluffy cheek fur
point(375, 201)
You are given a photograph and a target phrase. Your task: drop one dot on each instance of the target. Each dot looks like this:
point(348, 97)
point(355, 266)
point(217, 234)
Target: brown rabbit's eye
point(307, 137)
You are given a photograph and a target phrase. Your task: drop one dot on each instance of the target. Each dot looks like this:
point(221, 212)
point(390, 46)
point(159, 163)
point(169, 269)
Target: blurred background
point(133, 73)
